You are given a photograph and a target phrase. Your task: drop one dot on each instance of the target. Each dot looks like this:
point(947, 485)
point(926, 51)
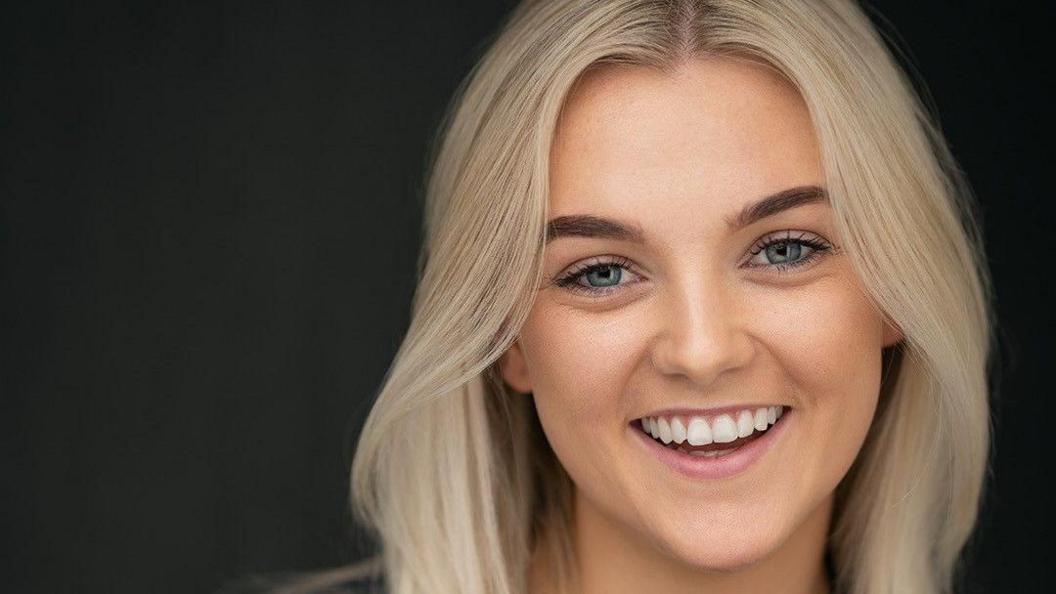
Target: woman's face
point(691, 317)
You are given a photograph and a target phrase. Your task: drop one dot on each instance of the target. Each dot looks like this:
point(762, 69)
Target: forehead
point(715, 134)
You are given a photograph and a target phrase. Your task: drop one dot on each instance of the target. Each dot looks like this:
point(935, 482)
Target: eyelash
point(818, 248)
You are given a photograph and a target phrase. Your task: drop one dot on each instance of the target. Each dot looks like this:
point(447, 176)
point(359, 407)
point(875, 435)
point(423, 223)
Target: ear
point(515, 368)
point(892, 334)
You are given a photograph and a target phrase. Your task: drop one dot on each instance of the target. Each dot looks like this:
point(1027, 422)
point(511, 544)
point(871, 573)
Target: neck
point(611, 560)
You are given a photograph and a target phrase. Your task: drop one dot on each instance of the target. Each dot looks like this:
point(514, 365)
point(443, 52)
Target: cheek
point(579, 366)
point(829, 348)
point(578, 359)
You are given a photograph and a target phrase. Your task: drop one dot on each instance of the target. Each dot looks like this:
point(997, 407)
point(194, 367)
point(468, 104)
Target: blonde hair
point(452, 474)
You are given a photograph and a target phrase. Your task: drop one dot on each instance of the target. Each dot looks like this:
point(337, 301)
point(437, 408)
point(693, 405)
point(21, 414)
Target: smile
point(713, 447)
point(687, 433)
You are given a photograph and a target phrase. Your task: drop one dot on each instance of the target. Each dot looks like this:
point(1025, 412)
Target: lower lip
point(717, 467)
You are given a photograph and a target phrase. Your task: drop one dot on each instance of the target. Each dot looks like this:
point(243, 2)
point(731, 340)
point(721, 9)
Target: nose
point(702, 331)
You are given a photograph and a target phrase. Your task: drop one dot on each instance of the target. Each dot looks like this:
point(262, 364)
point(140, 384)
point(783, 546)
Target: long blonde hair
point(452, 474)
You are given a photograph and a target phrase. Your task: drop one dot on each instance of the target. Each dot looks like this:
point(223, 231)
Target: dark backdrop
point(208, 228)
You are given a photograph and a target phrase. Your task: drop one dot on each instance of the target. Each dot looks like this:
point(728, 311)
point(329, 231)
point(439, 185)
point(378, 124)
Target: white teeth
point(723, 429)
point(678, 430)
point(699, 432)
point(665, 430)
point(745, 423)
point(760, 419)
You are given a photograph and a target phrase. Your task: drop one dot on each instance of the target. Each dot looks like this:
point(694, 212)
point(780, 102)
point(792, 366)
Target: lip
point(711, 412)
point(720, 467)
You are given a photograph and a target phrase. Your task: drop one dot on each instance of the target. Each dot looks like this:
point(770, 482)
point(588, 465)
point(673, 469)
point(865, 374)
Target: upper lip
point(710, 411)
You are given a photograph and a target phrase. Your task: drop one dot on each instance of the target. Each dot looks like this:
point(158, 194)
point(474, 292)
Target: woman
point(701, 308)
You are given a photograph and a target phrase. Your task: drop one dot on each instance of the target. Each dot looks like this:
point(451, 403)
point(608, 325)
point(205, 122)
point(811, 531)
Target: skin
point(690, 323)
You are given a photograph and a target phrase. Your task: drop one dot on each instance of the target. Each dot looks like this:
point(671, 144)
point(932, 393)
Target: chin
point(723, 555)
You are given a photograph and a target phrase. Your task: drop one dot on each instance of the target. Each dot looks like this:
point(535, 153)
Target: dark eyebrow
point(775, 203)
point(602, 228)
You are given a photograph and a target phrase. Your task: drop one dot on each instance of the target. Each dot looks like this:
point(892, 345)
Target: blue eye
point(603, 275)
point(787, 250)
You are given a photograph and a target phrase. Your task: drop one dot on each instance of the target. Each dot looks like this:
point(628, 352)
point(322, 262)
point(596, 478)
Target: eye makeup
point(781, 244)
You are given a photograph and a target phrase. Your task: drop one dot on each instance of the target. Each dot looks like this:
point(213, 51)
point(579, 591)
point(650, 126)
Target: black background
point(210, 218)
